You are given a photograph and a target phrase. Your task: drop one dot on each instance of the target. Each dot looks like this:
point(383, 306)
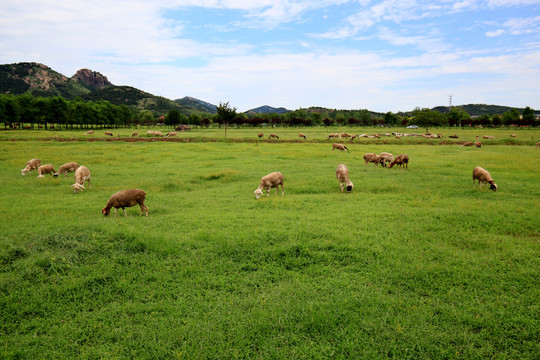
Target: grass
point(411, 264)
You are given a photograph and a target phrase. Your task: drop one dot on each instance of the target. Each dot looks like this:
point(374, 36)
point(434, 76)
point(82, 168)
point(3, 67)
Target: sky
point(389, 55)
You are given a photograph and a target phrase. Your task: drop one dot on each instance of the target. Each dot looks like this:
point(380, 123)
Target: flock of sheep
point(121, 199)
point(132, 197)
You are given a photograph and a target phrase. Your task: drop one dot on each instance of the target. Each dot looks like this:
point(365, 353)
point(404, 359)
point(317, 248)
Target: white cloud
point(495, 33)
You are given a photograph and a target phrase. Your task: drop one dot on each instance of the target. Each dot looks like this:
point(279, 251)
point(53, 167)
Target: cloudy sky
point(390, 55)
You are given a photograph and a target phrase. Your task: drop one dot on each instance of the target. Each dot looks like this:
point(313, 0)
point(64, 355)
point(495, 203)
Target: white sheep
point(483, 176)
point(371, 158)
point(31, 165)
point(67, 168)
point(45, 169)
point(82, 174)
point(89, 132)
point(272, 180)
point(124, 199)
point(385, 157)
point(342, 174)
point(339, 147)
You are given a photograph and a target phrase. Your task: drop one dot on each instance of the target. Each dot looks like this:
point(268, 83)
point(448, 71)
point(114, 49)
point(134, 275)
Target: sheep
point(158, 133)
point(401, 161)
point(273, 136)
point(302, 135)
point(45, 169)
point(538, 144)
point(171, 134)
point(483, 176)
point(150, 133)
point(488, 137)
point(66, 168)
point(89, 132)
point(513, 135)
point(371, 158)
point(134, 134)
point(342, 174)
point(82, 174)
point(453, 137)
point(108, 133)
point(333, 135)
point(467, 143)
point(31, 165)
point(260, 135)
point(477, 144)
point(439, 136)
point(124, 199)
point(272, 180)
point(385, 157)
point(339, 147)
point(344, 135)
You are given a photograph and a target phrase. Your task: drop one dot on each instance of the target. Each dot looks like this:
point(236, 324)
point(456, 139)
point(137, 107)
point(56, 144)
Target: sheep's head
point(77, 187)
point(258, 193)
point(493, 186)
point(105, 211)
point(349, 187)
point(55, 175)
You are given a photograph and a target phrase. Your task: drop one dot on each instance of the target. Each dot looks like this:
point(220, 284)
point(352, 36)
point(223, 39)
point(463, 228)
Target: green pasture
point(412, 264)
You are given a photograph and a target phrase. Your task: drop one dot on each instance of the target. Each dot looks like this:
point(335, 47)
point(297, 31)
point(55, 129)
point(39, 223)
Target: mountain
point(268, 110)
point(197, 104)
point(40, 80)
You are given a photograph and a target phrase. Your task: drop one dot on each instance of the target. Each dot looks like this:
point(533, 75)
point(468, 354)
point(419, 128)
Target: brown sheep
point(260, 135)
point(401, 161)
point(135, 134)
point(302, 135)
point(371, 158)
point(108, 133)
point(488, 137)
point(339, 147)
point(468, 143)
point(45, 169)
point(31, 165)
point(273, 136)
point(124, 199)
point(89, 132)
point(342, 174)
point(477, 144)
point(67, 168)
point(272, 180)
point(385, 157)
point(483, 176)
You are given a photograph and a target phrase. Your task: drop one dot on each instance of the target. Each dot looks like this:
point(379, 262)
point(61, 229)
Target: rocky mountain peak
point(92, 79)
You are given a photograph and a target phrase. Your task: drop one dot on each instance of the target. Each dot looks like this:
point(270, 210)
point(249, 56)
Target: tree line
point(27, 111)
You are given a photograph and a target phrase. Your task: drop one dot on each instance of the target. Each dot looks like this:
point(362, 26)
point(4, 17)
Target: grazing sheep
point(260, 135)
point(477, 144)
point(371, 158)
point(344, 135)
point(513, 135)
point(339, 147)
point(488, 137)
point(272, 180)
point(108, 133)
point(538, 144)
point(273, 136)
point(342, 174)
point(333, 135)
point(124, 199)
point(402, 161)
point(483, 176)
point(31, 165)
point(150, 133)
point(302, 135)
point(171, 134)
point(82, 174)
point(134, 134)
point(439, 136)
point(45, 169)
point(89, 132)
point(384, 158)
point(67, 168)
point(158, 133)
point(468, 143)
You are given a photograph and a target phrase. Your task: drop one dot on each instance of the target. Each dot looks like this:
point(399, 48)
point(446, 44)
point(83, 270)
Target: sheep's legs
point(144, 209)
point(125, 214)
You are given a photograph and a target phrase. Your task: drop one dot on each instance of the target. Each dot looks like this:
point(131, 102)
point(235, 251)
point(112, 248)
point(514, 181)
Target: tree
point(457, 117)
point(428, 118)
point(528, 116)
point(511, 117)
point(173, 117)
point(225, 114)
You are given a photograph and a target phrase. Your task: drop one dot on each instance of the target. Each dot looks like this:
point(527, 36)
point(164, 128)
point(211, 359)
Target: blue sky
point(379, 55)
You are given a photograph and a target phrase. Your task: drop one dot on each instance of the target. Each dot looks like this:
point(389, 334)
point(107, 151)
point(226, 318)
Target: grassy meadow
point(412, 264)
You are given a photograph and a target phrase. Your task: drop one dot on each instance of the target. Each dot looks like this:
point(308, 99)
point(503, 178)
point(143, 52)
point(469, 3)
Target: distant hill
point(479, 109)
point(268, 110)
point(197, 104)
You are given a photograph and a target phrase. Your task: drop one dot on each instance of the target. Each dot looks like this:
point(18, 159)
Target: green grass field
point(412, 264)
